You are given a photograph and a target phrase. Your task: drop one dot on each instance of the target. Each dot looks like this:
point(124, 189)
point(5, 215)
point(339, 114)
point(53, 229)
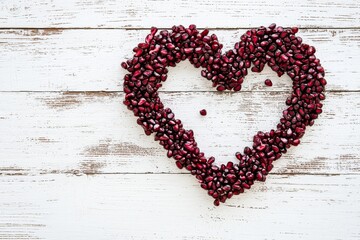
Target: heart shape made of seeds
point(277, 47)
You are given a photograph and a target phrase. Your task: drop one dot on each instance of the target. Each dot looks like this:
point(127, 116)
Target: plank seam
point(180, 91)
point(146, 28)
point(79, 173)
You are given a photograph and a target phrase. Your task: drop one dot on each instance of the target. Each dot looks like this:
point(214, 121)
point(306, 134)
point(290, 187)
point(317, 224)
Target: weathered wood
point(74, 164)
point(160, 206)
point(93, 132)
point(211, 13)
point(89, 60)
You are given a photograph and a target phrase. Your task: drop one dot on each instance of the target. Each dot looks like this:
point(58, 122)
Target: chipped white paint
point(75, 165)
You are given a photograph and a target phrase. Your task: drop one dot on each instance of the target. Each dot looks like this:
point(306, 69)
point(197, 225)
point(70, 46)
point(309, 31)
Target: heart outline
point(277, 47)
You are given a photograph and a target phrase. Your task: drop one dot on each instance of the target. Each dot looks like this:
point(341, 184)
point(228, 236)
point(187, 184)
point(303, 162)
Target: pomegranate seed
point(220, 88)
point(153, 30)
point(179, 165)
point(310, 50)
point(259, 176)
point(296, 142)
point(284, 58)
point(268, 82)
point(124, 65)
point(203, 112)
point(294, 30)
point(141, 102)
point(272, 26)
point(188, 50)
point(299, 56)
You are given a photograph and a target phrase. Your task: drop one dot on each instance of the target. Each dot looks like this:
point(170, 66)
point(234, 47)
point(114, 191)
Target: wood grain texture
point(160, 206)
point(165, 13)
point(93, 132)
point(89, 60)
point(74, 164)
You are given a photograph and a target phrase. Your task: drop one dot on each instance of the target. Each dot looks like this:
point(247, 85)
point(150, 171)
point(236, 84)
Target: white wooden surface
point(75, 165)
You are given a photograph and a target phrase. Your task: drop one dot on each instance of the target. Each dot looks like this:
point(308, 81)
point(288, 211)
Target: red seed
point(220, 88)
point(142, 101)
point(205, 32)
point(299, 56)
point(137, 73)
point(294, 30)
point(296, 142)
point(188, 50)
point(148, 73)
point(284, 58)
point(179, 165)
point(203, 112)
point(138, 52)
point(272, 26)
point(275, 148)
point(268, 82)
point(189, 147)
point(209, 179)
point(156, 127)
point(124, 65)
point(153, 30)
point(261, 147)
point(310, 50)
point(231, 177)
point(170, 46)
point(211, 160)
point(143, 45)
point(259, 176)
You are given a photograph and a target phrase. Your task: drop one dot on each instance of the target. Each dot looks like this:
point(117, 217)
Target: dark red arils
point(275, 46)
point(203, 112)
point(179, 165)
point(284, 58)
point(268, 82)
point(311, 50)
point(141, 102)
point(272, 26)
point(124, 65)
point(220, 88)
point(188, 50)
point(294, 30)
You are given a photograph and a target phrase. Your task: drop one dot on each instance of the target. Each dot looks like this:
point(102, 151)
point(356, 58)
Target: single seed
point(124, 65)
point(268, 82)
point(203, 112)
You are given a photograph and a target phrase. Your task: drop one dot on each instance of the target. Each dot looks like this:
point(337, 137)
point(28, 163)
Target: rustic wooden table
point(75, 165)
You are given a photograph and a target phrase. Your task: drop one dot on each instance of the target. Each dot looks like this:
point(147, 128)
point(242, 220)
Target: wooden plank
point(152, 206)
point(93, 132)
point(212, 13)
point(89, 60)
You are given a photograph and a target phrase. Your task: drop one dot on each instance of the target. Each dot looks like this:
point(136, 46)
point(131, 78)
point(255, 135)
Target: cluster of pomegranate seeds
point(268, 82)
point(203, 112)
point(277, 47)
